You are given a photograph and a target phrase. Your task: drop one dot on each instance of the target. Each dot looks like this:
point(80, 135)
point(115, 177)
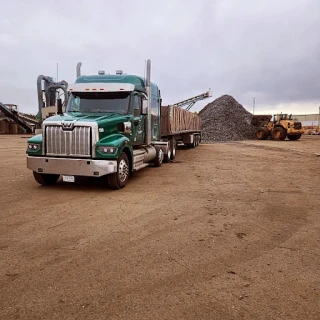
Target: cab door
point(138, 125)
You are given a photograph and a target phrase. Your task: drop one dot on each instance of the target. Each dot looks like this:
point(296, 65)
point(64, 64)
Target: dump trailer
point(113, 126)
point(281, 127)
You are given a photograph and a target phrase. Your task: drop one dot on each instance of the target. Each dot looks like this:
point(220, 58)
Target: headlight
point(108, 150)
point(34, 146)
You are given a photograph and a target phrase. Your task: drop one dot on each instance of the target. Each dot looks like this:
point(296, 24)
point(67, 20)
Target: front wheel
point(262, 134)
point(120, 178)
point(45, 179)
point(279, 134)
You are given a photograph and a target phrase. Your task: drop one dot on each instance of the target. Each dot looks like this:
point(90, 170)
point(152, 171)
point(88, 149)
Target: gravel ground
point(228, 231)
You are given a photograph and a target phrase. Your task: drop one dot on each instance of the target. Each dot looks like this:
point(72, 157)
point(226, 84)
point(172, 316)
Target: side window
point(137, 106)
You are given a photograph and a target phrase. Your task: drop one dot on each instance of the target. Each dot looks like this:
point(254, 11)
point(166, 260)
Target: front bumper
point(74, 167)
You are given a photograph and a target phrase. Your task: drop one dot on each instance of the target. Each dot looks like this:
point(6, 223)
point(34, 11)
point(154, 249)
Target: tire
point(167, 157)
point(174, 148)
point(294, 137)
point(262, 134)
point(45, 179)
point(159, 157)
point(193, 144)
point(279, 134)
point(120, 178)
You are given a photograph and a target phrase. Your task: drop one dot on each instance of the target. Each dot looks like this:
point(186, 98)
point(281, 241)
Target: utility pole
point(57, 71)
point(254, 104)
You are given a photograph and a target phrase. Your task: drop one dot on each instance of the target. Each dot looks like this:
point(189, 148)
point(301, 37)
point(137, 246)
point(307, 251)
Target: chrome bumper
point(74, 167)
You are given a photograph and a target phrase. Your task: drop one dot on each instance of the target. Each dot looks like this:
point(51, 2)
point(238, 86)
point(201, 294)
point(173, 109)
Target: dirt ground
point(228, 231)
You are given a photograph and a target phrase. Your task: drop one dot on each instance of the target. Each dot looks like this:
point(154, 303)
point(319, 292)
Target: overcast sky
point(268, 49)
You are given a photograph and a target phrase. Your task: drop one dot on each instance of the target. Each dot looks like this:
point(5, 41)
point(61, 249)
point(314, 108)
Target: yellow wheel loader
point(282, 126)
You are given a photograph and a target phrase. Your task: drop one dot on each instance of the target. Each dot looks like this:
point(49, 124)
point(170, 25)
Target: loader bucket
point(258, 120)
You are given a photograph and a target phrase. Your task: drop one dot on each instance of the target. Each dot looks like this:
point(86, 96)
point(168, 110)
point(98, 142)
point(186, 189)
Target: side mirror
point(144, 110)
point(59, 106)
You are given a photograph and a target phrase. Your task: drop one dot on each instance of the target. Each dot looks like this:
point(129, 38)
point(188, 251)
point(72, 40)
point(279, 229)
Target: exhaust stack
point(79, 64)
point(148, 87)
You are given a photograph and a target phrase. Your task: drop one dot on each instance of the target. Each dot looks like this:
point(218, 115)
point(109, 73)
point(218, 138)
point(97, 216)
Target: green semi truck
point(112, 126)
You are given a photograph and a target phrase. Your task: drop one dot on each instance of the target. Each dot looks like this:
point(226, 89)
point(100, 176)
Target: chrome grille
point(74, 143)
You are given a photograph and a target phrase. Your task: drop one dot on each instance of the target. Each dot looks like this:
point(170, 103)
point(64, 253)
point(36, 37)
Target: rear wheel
point(279, 134)
point(45, 179)
point(294, 137)
point(174, 148)
point(197, 140)
point(167, 157)
point(120, 178)
point(193, 144)
point(262, 134)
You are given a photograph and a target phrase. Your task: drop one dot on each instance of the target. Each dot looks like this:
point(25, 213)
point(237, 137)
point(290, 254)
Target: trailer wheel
point(120, 178)
point(279, 134)
point(197, 140)
point(45, 179)
point(194, 144)
point(159, 157)
point(294, 137)
point(167, 157)
point(174, 148)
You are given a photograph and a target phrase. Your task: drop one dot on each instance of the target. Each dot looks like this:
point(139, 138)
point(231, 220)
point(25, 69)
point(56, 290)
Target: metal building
point(308, 120)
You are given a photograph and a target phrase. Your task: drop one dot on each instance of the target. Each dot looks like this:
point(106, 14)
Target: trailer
point(113, 125)
point(179, 126)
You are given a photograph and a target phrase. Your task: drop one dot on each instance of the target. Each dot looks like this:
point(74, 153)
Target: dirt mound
point(225, 119)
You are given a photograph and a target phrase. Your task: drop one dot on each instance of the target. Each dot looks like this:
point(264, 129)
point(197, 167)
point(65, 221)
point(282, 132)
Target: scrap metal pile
point(225, 119)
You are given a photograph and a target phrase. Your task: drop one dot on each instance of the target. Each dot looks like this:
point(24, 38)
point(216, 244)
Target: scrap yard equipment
point(10, 111)
point(113, 125)
point(281, 127)
point(189, 103)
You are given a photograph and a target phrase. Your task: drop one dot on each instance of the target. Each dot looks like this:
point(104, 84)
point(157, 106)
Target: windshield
point(99, 102)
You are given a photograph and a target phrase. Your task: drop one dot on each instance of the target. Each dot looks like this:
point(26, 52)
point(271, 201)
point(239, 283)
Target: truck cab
point(111, 127)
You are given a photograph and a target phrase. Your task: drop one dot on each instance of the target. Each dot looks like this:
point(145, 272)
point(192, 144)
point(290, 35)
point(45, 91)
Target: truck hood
point(100, 118)
point(106, 121)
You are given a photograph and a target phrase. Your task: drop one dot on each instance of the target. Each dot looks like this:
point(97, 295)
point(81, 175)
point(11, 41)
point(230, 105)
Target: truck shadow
point(92, 184)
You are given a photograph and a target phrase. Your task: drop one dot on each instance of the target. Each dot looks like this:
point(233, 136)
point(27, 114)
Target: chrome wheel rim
point(173, 149)
point(169, 153)
point(123, 170)
point(161, 155)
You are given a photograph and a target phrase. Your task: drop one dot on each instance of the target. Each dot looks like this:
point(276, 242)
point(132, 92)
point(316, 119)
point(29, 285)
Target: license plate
point(68, 178)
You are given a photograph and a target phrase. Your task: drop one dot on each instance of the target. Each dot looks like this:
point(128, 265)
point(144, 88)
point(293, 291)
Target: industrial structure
point(308, 120)
point(13, 122)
